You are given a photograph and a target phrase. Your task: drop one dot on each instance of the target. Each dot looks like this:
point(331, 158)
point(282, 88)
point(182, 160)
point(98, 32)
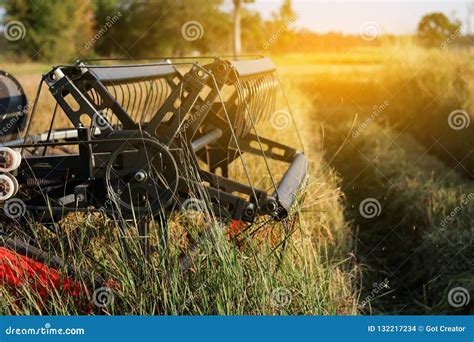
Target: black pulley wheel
point(13, 107)
point(141, 176)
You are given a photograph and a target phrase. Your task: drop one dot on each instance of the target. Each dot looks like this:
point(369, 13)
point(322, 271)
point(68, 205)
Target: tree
point(436, 28)
point(237, 41)
point(52, 30)
point(279, 31)
point(167, 27)
point(108, 15)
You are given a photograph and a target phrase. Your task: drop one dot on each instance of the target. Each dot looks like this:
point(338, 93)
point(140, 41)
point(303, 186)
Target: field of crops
point(407, 172)
point(387, 225)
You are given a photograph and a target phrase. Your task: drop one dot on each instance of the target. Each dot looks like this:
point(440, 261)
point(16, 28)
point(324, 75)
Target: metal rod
point(206, 139)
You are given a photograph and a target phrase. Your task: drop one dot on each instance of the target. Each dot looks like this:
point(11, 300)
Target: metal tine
point(258, 101)
point(256, 97)
point(246, 104)
point(158, 98)
point(97, 99)
point(243, 91)
point(152, 102)
point(155, 87)
point(251, 102)
point(163, 95)
point(140, 104)
point(238, 115)
point(252, 124)
point(126, 106)
point(141, 100)
point(156, 93)
point(146, 102)
point(115, 92)
point(264, 86)
point(120, 98)
point(274, 93)
point(114, 121)
point(240, 99)
point(148, 99)
point(92, 95)
point(270, 88)
point(132, 95)
point(266, 94)
point(133, 99)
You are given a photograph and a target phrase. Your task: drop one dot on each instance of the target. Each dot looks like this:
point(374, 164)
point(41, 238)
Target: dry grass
point(387, 135)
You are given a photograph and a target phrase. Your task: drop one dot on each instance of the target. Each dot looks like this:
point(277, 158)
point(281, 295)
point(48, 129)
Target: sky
point(397, 17)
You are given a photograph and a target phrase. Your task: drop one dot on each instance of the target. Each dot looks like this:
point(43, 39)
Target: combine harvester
point(144, 140)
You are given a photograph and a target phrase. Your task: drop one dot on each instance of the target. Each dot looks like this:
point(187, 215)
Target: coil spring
point(40, 182)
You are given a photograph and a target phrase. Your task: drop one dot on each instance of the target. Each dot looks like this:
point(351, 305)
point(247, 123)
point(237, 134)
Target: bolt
point(271, 206)
point(249, 211)
point(140, 176)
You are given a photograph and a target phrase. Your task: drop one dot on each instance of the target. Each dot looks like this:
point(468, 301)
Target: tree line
point(68, 29)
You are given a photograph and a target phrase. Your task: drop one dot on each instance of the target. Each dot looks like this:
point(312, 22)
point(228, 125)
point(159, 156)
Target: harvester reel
point(141, 176)
point(144, 139)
